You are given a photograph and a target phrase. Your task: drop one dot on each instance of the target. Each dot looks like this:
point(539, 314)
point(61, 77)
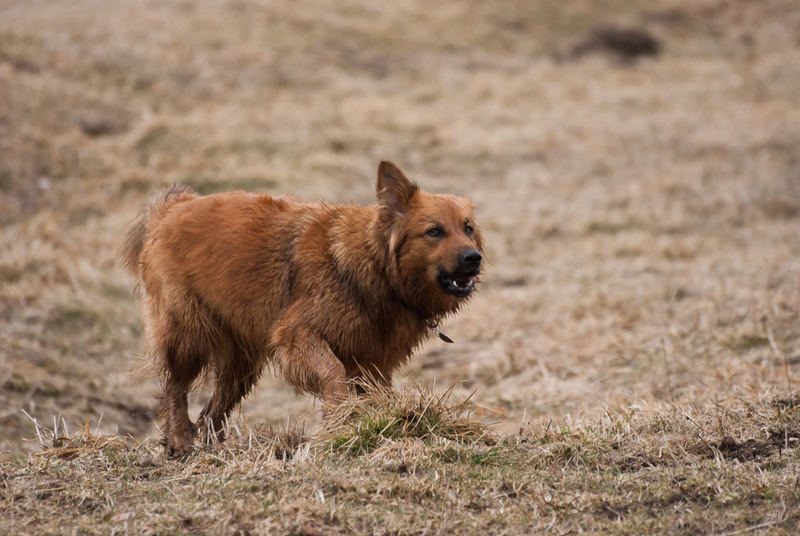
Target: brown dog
point(326, 293)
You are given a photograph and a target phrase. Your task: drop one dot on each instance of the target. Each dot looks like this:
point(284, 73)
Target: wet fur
point(325, 293)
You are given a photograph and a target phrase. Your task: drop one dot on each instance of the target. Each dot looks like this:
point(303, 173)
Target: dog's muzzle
point(461, 282)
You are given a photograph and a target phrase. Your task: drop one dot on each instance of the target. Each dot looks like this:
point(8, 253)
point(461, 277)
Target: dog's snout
point(471, 258)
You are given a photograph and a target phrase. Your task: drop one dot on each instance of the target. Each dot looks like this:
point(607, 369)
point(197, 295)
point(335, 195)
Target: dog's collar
point(434, 326)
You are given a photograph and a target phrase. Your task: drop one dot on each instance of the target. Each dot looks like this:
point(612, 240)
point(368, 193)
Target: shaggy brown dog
point(326, 293)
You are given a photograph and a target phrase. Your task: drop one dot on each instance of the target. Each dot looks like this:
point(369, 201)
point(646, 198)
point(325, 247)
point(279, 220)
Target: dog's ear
point(394, 189)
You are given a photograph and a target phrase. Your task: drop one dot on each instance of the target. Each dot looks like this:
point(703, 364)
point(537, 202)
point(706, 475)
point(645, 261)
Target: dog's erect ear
point(394, 189)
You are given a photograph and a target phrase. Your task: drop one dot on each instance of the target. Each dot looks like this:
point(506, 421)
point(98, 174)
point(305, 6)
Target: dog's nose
point(471, 258)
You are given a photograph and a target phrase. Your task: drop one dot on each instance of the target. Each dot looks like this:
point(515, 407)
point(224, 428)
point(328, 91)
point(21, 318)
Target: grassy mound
point(381, 417)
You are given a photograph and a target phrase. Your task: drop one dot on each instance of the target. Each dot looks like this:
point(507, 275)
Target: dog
point(323, 293)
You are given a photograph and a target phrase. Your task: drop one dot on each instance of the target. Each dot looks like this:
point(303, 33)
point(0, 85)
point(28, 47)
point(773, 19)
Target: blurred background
point(634, 166)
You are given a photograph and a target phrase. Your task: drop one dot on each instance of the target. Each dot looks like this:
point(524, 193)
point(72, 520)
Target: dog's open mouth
point(458, 284)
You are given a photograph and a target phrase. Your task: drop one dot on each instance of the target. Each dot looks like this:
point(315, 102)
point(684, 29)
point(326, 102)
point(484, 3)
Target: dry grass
point(363, 425)
point(644, 230)
point(723, 469)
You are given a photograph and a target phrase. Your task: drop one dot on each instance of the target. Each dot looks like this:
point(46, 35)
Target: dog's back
point(226, 256)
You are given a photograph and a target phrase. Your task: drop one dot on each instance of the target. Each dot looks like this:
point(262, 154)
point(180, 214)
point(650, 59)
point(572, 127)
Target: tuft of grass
point(363, 424)
point(748, 342)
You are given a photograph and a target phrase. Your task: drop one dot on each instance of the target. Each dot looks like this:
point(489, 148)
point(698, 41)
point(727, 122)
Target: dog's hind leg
point(307, 363)
point(236, 375)
point(182, 363)
point(178, 428)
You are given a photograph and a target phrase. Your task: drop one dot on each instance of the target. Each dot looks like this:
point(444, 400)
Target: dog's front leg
point(307, 363)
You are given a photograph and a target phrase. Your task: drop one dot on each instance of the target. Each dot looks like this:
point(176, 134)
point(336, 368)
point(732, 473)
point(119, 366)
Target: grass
point(363, 425)
point(640, 316)
point(726, 468)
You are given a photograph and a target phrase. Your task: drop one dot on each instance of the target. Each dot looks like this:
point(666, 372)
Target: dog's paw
point(176, 449)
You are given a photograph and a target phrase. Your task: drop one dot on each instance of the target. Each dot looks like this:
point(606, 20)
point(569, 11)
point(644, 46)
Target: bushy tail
point(132, 244)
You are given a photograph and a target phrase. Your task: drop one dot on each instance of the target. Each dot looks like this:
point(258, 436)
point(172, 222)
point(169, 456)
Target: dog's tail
point(132, 244)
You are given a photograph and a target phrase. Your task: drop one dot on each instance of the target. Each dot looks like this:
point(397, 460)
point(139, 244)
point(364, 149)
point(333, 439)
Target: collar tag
point(438, 332)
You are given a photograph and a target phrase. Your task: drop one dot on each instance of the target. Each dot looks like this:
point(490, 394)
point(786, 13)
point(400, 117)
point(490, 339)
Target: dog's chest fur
point(340, 285)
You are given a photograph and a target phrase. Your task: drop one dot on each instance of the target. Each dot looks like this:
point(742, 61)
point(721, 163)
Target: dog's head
point(435, 245)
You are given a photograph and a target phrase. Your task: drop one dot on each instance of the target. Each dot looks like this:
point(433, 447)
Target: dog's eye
point(468, 229)
point(434, 232)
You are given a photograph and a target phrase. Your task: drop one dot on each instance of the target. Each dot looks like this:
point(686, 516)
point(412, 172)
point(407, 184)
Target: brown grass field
point(633, 356)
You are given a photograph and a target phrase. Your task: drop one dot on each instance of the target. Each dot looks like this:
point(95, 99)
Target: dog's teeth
point(464, 285)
